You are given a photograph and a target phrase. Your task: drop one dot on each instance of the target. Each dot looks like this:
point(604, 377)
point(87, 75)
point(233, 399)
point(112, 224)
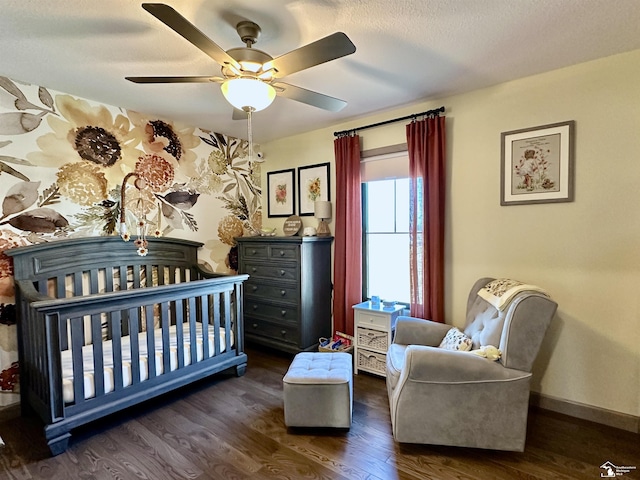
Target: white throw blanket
point(501, 291)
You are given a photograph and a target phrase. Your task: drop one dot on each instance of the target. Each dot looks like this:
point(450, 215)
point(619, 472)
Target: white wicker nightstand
point(373, 334)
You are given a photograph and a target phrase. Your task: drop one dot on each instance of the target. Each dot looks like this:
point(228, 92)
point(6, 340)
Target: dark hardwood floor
point(233, 428)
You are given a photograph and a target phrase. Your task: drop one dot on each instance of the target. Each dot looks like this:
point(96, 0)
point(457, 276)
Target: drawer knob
point(255, 307)
point(282, 253)
point(283, 332)
point(255, 325)
point(282, 272)
point(254, 269)
point(283, 292)
point(283, 312)
point(254, 288)
point(253, 252)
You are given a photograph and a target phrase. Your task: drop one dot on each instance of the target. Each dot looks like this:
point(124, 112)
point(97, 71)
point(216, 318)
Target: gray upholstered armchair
point(448, 397)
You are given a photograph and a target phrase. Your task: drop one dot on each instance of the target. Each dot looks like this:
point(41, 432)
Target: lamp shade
point(322, 209)
point(248, 93)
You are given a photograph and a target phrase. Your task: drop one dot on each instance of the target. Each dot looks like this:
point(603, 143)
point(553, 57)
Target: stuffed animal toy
point(488, 351)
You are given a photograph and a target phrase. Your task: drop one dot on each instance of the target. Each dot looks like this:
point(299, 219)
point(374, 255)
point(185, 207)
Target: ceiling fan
point(246, 69)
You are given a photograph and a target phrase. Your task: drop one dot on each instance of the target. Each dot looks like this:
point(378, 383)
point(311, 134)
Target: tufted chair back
point(517, 331)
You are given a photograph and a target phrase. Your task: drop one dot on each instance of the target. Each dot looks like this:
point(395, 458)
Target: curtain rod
point(408, 117)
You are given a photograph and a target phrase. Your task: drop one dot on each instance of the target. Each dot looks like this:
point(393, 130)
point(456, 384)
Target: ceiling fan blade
point(199, 79)
point(326, 49)
point(314, 99)
point(184, 27)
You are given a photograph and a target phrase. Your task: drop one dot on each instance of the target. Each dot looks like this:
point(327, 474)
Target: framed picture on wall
point(313, 184)
point(281, 193)
point(537, 165)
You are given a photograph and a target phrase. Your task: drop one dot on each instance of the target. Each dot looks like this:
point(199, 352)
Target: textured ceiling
point(407, 51)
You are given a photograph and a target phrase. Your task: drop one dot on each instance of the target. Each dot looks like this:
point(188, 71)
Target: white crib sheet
point(88, 367)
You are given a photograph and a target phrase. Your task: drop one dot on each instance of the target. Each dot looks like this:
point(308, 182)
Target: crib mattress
point(107, 345)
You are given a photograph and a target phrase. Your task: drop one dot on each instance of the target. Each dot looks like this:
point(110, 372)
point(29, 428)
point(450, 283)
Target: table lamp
point(322, 211)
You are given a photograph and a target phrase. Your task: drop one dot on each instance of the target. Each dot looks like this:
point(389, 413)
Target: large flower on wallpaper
point(169, 140)
point(100, 147)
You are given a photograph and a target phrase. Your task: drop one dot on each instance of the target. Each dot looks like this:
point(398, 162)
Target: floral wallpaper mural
point(64, 162)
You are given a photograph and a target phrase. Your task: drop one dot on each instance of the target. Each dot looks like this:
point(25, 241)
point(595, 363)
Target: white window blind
point(386, 166)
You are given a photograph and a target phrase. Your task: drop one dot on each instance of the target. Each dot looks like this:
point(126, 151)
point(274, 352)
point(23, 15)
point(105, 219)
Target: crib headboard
point(43, 261)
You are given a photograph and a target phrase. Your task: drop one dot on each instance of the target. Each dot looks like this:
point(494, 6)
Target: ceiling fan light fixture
point(253, 67)
point(249, 93)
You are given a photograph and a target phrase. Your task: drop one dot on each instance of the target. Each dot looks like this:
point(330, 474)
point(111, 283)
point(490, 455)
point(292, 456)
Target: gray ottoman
point(318, 390)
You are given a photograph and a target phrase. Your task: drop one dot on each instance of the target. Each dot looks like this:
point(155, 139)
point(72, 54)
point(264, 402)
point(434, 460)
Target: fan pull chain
point(250, 134)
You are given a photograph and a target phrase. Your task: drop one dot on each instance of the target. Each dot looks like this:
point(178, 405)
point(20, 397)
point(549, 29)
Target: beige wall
point(586, 253)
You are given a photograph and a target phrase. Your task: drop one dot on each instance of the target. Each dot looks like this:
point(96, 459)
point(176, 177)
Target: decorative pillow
point(456, 340)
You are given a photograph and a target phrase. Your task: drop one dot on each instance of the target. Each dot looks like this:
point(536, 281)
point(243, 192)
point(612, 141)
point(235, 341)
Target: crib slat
point(193, 317)
point(77, 341)
point(216, 323)
point(166, 347)
point(134, 329)
point(136, 276)
point(98, 354)
point(151, 345)
point(116, 345)
point(206, 311)
point(177, 309)
point(93, 281)
point(227, 320)
point(108, 280)
point(122, 271)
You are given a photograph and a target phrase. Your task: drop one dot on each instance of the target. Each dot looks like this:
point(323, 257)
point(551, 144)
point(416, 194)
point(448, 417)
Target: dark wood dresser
point(287, 299)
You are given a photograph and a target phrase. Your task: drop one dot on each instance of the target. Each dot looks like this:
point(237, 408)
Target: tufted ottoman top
point(319, 367)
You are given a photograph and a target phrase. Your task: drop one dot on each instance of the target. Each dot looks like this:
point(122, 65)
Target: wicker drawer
point(281, 333)
point(273, 270)
point(372, 362)
point(373, 339)
point(372, 319)
point(285, 293)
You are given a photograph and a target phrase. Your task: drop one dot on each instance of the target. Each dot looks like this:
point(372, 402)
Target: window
point(386, 239)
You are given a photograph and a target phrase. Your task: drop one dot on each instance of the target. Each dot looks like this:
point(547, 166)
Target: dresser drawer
point(253, 250)
point(372, 320)
point(286, 293)
point(273, 270)
point(288, 252)
point(275, 313)
point(261, 328)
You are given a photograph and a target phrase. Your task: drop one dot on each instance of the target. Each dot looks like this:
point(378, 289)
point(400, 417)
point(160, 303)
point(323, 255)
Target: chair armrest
point(417, 331)
point(437, 365)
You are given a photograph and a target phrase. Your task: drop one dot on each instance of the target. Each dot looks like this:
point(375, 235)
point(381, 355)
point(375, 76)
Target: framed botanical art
point(313, 184)
point(537, 165)
point(281, 192)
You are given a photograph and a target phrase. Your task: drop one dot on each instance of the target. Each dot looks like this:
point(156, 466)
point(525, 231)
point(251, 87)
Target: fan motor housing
point(248, 31)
